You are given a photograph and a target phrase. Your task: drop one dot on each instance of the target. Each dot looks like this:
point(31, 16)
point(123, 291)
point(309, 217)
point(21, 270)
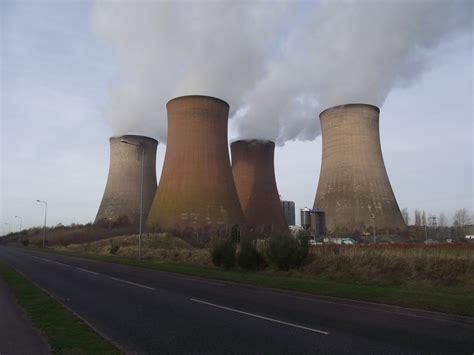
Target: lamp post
point(8, 224)
point(21, 221)
point(45, 214)
point(141, 196)
point(373, 226)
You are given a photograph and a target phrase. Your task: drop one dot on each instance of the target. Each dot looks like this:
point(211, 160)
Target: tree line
point(432, 226)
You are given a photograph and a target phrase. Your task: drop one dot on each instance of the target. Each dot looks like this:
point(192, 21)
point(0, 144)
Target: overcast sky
point(56, 83)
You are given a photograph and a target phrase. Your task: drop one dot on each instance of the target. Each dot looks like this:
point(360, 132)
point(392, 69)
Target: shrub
point(287, 252)
point(223, 253)
point(249, 257)
point(25, 242)
point(235, 233)
point(114, 249)
point(304, 244)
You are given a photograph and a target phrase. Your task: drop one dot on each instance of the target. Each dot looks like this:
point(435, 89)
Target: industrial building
point(254, 176)
point(196, 192)
point(129, 154)
point(354, 189)
point(289, 212)
point(313, 221)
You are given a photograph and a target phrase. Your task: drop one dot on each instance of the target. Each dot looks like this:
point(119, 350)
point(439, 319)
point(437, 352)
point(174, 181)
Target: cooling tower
point(254, 176)
point(353, 183)
point(196, 193)
point(122, 192)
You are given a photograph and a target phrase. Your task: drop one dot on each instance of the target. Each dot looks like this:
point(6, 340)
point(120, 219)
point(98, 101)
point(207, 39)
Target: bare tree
point(406, 216)
point(417, 218)
point(423, 219)
point(442, 220)
point(461, 217)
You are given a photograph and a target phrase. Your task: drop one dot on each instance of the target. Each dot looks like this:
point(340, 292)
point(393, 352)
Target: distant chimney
point(196, 193)
point(354, 189)
point(254, 176)
point(122, 193)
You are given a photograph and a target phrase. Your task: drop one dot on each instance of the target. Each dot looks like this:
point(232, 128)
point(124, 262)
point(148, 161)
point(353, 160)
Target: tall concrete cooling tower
point(122, 192)
point(353, 185)
point(196, 193)
point(254, 176)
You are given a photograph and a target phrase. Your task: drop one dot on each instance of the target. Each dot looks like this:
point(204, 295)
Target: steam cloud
point(277, 64)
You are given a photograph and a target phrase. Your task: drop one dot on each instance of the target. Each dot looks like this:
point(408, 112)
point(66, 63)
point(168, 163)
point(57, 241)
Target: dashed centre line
point(85, 270)
point(261, 317)
point(95, 273)
point(132, 283)
point(59, 263)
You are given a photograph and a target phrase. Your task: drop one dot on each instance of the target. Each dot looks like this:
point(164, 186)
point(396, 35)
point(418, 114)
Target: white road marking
point(59, 263)
point(63, 264)
point(85, 270)
point(261, 317)
point(133, 283)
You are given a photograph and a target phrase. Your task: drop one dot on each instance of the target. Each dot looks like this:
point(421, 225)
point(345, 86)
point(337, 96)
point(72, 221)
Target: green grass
point(66, 334)
point(452, 299)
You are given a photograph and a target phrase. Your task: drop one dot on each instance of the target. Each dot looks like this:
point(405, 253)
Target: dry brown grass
point(65, 235)
point(158, 246)
point(403, 264)
point(442, 264)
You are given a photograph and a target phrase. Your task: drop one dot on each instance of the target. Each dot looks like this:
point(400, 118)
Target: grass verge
point(452, 299)
point(66, 334)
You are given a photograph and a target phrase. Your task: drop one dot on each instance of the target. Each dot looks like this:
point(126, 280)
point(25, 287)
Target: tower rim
point(249, 141)
point(339, 107)
point(136, 136)
point(197, 97)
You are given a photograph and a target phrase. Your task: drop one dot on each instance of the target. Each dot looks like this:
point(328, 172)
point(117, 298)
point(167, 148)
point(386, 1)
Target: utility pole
point(373, 227)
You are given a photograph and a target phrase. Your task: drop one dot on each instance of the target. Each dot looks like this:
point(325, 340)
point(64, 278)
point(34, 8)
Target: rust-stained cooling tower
point(254, 176)
point(196, 193)
point(122, 193)
point(353, 184)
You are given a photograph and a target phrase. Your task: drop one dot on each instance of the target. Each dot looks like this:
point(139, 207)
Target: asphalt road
point(148, 311)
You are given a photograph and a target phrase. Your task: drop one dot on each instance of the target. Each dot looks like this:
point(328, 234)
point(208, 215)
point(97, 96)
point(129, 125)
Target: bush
point(25, 242)
point(114, 249)
point(249, 257)
point(235, 233)
point(304, 244)
point(287, 252)
point(223, 253)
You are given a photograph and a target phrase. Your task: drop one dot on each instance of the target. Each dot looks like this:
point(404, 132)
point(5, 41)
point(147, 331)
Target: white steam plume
point(276, 70)
point(348, 52)
point(169, 49)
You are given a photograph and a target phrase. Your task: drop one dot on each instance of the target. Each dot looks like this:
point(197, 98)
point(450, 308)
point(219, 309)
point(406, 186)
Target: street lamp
point(141, 196)
point(373, 226)
point(8, 224)
point(19, 231)
point(21, 221)
point(45, 214)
